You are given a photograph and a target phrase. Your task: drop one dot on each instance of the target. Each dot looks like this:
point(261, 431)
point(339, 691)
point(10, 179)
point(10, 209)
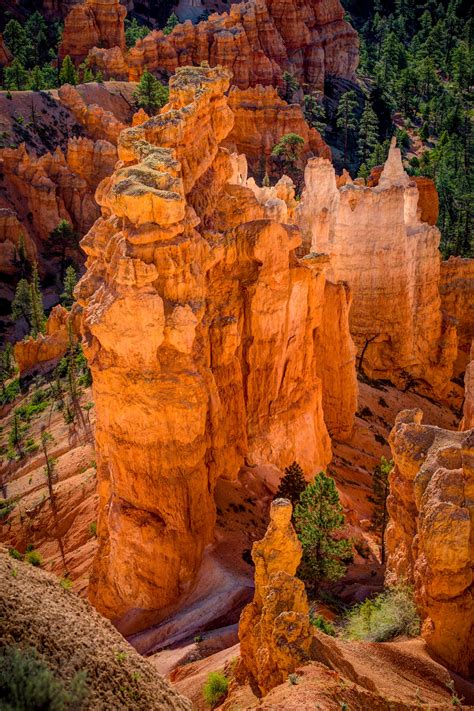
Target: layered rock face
point(457, 300)
point(93, 23)
point(468, 418)
point(45, 350)
point(258, 40)
point(201, 332)
point(261, 118)
point(430, 534)
point(97, 121)
point(379, 245)
point(11, 233)
point(274, 630)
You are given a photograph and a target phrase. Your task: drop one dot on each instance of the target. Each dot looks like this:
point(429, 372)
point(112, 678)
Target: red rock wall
point(457, 300)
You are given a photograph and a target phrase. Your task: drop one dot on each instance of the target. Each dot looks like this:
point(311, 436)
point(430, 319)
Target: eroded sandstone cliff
point(430, 534)
point(201, 330)
point(378, 243)
point(93, 23)
point(258, 40)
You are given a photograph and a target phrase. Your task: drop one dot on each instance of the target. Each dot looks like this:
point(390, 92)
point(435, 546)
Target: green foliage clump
point(319, 521)
point(134, 32)
point(390, 614)
point(215, 688)
point(28, 304)
point(13, 553)
point(70, 281)
point(6, 507)
point(150, 94)
point(10, 392)
point(171, 23)
point(346, 118)
point(28, 684)
point(34, 558)
point(292, 484)
point(323, 625)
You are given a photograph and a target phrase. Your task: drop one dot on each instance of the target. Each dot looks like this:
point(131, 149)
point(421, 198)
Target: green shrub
point(93, 529)
point(215, 688)
point(6, 507)
point(65, 583)
point(388, 615)
point(322, 624)
point(27, 684)
point(15, 554)
point(34, 558)
point(10, 392)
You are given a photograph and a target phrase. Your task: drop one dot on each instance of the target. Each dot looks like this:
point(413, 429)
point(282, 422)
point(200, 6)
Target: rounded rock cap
point(280, 512)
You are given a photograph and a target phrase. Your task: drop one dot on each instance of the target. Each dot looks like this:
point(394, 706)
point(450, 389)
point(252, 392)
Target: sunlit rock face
point(257, 40)
point(430, 533)
point(378, 244)
point(93, 23)
point(205, 335)
point(261, 118)
point(274, 630)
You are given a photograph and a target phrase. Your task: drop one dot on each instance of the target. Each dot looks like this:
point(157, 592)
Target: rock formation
point(45, 190)
point(261, 118)
point(457, 301)
point(98, 123)
point(378, 244)
point(258, 40)
point(45, 350)
point(468, 419)
point(93, 23)
point(274, 630)
point(5, 54)
point(201, 332)
point(11, 232)
point(92, 160)
point(431, 529)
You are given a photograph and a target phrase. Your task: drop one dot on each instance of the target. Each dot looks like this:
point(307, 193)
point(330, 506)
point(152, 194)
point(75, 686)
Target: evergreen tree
point(314, 111)
point(68, 73)
point(15, 76)
point(60, 239)
point(290, 87)
point(17, 40)
point(150, 94)
point(346, 119)
point(70, 281)
point(288, 149)
point(368, 132)
point(134, 32)
point(7, 365)
point(292, 484)
point(319, 519)
point(381, 490)
point(36, 79)
point(21, 304)
point(171, 23)
point(38, 318)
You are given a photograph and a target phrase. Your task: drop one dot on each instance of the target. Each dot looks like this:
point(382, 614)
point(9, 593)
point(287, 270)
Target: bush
point(215, 688)
point(11, 392)
point(323, 625)
point(27, 684)
point(13, 553)
point(34, 558)
point(388, 615)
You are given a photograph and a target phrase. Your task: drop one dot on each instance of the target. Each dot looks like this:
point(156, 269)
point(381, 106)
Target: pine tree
point(38, 318)
point(319, 519)
point(17, 40)
point(21, 304)
point(7, 366)
point(292, 484)
point(150, 94)
point(70, 281)
point(171, 23)
point(381, 490)
point(314, 111)
point(68, 73)
point(62, 237)
point(15, 76)
point(288, 149)
point(134, 32)
point(290, 87)
point(35, 79)
point(368, 132)
point(346, 119)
